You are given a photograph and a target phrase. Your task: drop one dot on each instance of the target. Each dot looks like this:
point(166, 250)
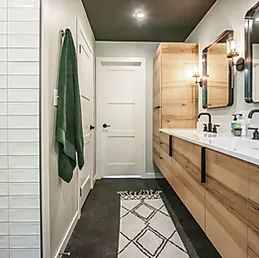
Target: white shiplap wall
point(19, 129)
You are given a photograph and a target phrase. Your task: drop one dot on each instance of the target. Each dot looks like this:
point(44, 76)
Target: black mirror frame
point(248, 54)
point(229, 34)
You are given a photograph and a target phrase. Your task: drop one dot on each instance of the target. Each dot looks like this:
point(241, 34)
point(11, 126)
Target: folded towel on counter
point(69, 131)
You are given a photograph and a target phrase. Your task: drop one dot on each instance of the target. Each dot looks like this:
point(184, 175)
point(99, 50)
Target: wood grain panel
point(157, 78)
point(179, 92)
point(227, 180)
point(156, 150)
point(253, 241)
point(178, 60)
point(156, 121)
point(253, 209)
point(226, 204)
point(251, 254)
point(188, 156)
point(179, 114)
point(225, 230)
point(176, 179)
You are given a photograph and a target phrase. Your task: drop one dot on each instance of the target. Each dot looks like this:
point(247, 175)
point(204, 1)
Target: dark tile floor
point(97, 232)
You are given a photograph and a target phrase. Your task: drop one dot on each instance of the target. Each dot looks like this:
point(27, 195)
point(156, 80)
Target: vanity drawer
point(164, 143)
point(226, 203)
point(188, 157)
point(156, 150)
point(253, 210)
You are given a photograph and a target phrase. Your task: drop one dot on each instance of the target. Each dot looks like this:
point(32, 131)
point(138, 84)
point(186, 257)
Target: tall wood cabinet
point(174, 90)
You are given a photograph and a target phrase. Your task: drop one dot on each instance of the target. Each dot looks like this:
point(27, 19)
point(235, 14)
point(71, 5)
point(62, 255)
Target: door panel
point(85, 72)
point(121, 106)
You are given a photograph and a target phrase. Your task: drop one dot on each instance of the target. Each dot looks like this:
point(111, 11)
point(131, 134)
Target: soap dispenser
point(242, 124)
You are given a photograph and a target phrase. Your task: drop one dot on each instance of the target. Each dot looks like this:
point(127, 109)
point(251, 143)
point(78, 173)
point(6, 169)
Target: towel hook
point(62, 33)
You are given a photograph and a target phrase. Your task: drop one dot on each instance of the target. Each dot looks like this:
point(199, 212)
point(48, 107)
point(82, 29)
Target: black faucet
point(210, 123)
point(250, 115)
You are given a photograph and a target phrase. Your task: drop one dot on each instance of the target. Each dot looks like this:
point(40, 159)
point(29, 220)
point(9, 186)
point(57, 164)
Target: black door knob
point(105, 126)
point(92, 127)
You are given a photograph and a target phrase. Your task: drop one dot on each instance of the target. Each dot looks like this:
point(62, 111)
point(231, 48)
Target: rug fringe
point(139, 195)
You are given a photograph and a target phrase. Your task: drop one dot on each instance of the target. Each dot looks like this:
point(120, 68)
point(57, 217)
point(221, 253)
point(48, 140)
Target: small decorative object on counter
point(237, 132)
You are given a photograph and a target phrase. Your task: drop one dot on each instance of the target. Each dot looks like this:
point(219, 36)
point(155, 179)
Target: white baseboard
point(152, 175)
point(67, 236)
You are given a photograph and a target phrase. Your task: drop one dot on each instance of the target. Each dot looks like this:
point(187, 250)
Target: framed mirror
point(217, 89)
point(252, 55)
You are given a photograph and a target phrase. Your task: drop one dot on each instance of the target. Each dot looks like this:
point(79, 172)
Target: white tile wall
point(3, 81)
point(23, 95)
point(21, 28)
point(3, 27)
point(19, 129)
point(3, 3)
point(23, 135)
point(23, 81)
point(25, 228)
point(22, 41)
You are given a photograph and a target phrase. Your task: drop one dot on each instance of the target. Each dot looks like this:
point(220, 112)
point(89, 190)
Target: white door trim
point(99, 61)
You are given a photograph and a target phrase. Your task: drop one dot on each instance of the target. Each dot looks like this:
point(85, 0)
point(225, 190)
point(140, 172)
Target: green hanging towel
point(69, 132)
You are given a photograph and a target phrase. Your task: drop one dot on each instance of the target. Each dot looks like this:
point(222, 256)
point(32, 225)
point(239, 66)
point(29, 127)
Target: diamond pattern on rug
point(146, 228)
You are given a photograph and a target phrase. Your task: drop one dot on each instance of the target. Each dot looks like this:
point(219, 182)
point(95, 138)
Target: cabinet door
point(188, 157)
point(253, 210)
point(226, 204)
point(178, 90)
point(174, 173)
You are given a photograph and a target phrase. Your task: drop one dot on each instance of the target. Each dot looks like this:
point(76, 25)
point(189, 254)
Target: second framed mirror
point(217, 73)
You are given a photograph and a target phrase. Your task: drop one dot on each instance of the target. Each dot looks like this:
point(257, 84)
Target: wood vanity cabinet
point(175, 98)
point(226, 203)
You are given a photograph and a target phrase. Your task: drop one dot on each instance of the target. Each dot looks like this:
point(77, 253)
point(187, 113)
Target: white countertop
point(241, 148)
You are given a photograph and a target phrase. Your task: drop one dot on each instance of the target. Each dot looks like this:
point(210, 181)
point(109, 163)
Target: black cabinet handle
point(203, 165)
point(92, 127)
point(157, 107)
point(170, 152)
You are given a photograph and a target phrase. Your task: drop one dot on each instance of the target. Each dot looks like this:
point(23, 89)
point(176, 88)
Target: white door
point(120, 117)
point(86, 81)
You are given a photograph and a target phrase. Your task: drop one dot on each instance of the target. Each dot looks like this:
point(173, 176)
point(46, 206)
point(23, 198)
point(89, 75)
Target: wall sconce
point(232, 53)
point(231, 48)
point(201, 81)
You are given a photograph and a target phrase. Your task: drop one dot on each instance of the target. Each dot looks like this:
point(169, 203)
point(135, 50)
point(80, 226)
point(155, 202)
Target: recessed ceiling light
point(139, 15)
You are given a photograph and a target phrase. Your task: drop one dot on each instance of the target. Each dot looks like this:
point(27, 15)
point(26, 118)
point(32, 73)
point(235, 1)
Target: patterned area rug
point(146, 229)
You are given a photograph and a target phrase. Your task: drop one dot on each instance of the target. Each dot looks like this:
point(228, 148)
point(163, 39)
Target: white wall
point(136, 49)
point(63, 201)
point(225, 14)
point(19, 129)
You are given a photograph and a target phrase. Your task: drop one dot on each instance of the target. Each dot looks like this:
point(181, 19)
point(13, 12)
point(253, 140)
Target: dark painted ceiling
point(166, 20)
